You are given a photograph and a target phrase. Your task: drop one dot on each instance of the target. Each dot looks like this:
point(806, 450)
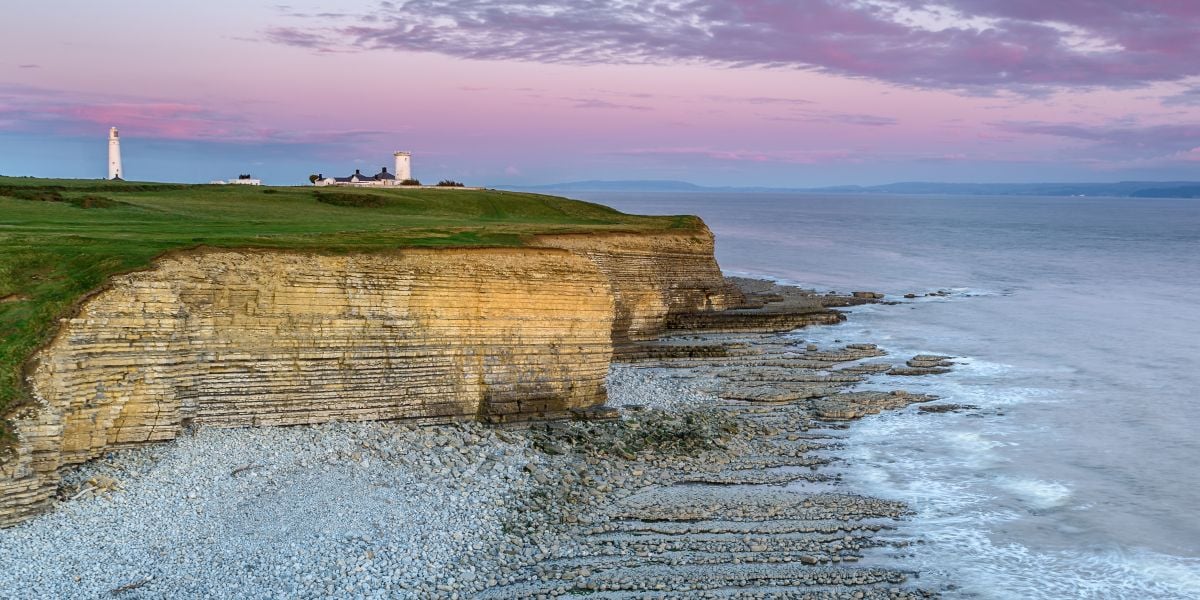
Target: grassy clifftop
point(60, 239)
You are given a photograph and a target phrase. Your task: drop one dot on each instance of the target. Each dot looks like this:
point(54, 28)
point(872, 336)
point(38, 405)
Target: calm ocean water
point(1078, 323)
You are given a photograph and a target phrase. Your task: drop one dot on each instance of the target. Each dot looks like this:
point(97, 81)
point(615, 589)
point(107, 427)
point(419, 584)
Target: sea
point(1075, 326)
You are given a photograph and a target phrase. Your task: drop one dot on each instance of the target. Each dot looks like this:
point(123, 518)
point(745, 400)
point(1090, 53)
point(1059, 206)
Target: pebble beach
point(718, 479)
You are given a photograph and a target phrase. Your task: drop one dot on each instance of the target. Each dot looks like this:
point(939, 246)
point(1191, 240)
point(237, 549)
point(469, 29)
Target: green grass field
point(60, 239)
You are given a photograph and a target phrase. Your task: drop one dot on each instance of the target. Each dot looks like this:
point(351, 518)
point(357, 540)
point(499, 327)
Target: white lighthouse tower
point(403, 166)
point(114, 155)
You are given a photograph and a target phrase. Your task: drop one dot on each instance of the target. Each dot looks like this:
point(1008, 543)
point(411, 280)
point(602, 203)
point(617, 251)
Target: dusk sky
point(511, 92)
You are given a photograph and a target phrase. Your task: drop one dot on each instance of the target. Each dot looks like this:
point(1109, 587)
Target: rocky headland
point(709, 470)
point(587, 414)
point(237, 338)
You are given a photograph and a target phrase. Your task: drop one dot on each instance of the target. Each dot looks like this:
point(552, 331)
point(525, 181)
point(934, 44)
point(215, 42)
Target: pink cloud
point(1120, 135)
point(1023, 44)
point(603, 104)
point(800, 157)
point(161, 120)
point(1120, 144)
point(1192, 155)
point(24, 109)
point(1189, 97)
point(818, 116)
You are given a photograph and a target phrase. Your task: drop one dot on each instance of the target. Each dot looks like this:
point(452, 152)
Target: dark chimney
point(385, 169)
point(357, 172)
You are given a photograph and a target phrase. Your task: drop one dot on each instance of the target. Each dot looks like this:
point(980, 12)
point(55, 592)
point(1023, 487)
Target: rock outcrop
point(230, 338)
point(240, 338)
point(654, 278)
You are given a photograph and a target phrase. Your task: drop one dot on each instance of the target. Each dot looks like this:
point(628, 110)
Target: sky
point(788, 93)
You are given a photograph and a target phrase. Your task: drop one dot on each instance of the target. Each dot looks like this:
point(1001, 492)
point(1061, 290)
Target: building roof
point(358, 176)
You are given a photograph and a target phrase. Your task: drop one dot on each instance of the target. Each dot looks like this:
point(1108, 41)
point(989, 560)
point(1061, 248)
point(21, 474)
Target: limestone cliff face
point(245, 338)
point(654, 277)
point(233, 338)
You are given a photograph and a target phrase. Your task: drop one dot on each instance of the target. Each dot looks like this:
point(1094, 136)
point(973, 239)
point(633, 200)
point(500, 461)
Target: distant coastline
point(1122, 189)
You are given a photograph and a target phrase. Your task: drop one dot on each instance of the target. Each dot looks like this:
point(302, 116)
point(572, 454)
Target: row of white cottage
point(382, 178)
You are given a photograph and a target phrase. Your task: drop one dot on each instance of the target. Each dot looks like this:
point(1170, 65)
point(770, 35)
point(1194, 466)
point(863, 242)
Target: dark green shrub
point(349, 199)
point(54, 194)
point(92, 201)
point(35, 194)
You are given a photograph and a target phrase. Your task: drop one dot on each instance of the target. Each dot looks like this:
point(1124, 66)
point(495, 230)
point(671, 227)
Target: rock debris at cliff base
point(708, 486)
point(686, 495)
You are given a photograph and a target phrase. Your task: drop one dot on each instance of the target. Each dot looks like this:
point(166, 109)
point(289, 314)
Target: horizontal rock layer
point(247, 338)
point(231, 338)
point(654, 278)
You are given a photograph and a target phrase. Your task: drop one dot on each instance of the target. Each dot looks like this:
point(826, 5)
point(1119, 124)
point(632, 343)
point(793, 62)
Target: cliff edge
point(234, 338)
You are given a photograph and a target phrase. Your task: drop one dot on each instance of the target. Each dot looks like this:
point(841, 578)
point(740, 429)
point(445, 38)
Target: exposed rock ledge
point(654, 278)
point(226, 338)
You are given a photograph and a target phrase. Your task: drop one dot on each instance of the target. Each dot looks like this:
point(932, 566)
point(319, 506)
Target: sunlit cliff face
point(513, 91)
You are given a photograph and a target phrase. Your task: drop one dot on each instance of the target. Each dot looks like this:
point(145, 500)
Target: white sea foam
point(887, 462)
point(980, 367)
point(953, 294)
point(1037, 494)
point(953, 390)
point(970, 441)
point(1084, 383)
point(982, 568)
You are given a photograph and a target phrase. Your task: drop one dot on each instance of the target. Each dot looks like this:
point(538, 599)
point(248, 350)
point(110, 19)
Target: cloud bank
point(1022, 45)
point(25, 109)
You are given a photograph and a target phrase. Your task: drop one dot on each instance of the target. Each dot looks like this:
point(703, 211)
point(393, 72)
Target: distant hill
point(649, 185)
point(1138, 189)
point(1130, 189)
point(1183, 191)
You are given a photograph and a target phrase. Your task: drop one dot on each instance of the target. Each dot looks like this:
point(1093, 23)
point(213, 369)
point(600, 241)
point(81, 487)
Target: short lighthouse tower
point(114, 155)
point(403, 166)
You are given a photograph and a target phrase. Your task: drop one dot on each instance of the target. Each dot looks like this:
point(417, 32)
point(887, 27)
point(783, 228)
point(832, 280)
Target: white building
point(114, 155)
point(245, 180)
point(241, 180)
point(402, 173)
point(403, 165)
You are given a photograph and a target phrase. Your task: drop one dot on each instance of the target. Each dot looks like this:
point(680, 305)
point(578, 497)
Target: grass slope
point(61, 239)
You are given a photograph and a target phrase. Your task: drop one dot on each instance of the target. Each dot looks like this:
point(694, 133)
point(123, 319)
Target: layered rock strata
point(246, 338)
point(654, 278)
point(768, 307)
point(232, 339)
point(698, 491)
